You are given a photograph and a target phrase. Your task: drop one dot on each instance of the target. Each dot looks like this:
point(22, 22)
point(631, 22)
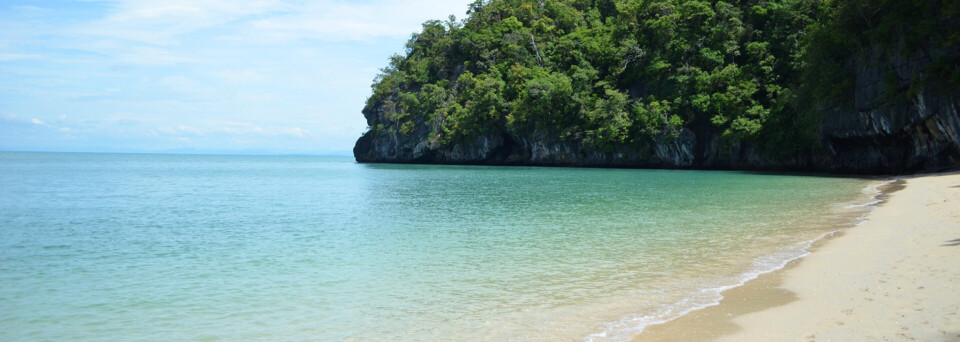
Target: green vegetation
point(620, 72)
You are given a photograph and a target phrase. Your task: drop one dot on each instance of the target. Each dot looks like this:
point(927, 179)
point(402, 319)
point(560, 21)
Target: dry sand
point(896, 277)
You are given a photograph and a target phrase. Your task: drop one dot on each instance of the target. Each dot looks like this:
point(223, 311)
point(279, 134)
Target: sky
point(204, 76)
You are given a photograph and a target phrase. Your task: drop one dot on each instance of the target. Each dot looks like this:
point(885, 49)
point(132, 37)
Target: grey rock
point(879, 134)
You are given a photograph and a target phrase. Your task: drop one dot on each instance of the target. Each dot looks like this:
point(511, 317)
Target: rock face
point(889, 132)
point(881, 134)
point(499, 148)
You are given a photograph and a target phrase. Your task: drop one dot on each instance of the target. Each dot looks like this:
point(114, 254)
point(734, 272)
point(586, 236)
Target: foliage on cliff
point(619, 72)
point(930, 28)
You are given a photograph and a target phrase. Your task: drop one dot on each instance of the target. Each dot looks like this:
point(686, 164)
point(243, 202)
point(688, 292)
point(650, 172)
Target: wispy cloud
point(211, 74)
point(152, 57)
point(160, 22)
point(4, 57)
point(231, 129)
point(164, 22)
point(339, 21)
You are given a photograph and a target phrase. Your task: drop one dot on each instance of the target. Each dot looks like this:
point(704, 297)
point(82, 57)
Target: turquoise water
point(203, 248)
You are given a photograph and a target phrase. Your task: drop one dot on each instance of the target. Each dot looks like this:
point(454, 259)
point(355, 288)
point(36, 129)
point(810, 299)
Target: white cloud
point(189, 130)
point(6, 57)
point(162, 22)
point(338, 21)
point(242, 76)
point(294, 132)
point(235, 128)
point(291, 73)
point(230, 128)
point(186, 85)
point(152, 56)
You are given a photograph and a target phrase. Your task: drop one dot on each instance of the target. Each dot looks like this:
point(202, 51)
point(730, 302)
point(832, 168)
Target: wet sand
point(896, 277)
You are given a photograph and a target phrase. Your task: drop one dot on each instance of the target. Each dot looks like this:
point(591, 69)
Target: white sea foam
point(868, 204)
point(630, 326)
point(875, 192)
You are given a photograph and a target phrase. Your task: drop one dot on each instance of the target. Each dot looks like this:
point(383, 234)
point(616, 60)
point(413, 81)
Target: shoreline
point(849, 215)
point(797, 301)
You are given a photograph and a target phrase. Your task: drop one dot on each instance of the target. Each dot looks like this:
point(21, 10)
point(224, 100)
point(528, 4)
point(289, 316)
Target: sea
point(153, 247)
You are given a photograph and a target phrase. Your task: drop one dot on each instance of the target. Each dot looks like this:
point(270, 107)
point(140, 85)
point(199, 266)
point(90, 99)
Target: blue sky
point(263, 76)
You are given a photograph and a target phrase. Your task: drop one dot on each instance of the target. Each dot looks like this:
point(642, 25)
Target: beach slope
point(896, 277)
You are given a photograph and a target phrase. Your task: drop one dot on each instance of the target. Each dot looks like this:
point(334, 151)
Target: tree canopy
point(619, 72)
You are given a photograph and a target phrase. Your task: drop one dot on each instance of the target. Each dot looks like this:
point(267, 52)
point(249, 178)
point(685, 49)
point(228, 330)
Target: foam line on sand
point(896, 277)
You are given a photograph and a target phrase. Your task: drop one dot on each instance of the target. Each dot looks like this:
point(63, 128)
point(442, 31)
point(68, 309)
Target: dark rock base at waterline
point(922, 135)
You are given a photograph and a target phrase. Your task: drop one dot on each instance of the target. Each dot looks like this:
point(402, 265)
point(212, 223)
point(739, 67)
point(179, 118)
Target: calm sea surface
point(129, 247)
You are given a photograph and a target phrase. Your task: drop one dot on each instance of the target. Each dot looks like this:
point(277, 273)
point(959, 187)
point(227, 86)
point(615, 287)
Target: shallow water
point(160, 247)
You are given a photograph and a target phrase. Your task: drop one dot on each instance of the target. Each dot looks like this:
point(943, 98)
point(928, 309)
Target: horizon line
point(188, 152)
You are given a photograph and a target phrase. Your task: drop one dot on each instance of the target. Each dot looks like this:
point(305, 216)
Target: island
point(844, 86)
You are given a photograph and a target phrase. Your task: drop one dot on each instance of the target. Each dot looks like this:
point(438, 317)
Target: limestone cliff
point(884, 131)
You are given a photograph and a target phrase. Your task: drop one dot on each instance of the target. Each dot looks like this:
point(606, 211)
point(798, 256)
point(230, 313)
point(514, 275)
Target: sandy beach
point(896, 277)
